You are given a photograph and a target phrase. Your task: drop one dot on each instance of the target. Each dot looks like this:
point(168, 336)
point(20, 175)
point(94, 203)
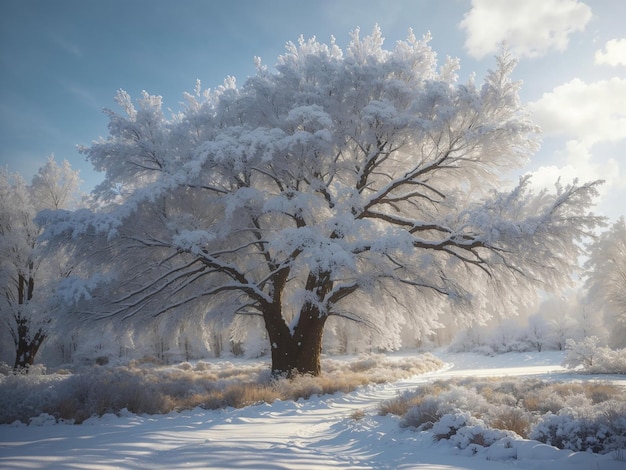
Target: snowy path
point(316, 434)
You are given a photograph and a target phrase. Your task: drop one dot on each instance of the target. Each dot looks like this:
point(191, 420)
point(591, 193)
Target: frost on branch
point(363, 184)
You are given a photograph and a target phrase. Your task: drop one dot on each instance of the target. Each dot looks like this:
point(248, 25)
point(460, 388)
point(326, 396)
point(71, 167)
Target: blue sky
point(62, 61)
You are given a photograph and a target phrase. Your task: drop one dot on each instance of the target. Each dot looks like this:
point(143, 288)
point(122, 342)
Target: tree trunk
point(307, 339)
point(300, 352)
point(26, 348)
point(281, 343)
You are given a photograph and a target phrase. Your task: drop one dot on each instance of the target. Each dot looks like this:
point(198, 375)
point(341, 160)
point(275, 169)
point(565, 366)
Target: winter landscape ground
point(332, 431)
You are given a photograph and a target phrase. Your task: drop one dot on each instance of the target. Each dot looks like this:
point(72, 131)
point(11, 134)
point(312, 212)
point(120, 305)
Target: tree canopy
point(366, 184)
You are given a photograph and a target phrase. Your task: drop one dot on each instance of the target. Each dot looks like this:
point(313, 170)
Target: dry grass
point(512, 419)
point(398, 406)
point(357, 415)
point(146, 387)
point(599, 392)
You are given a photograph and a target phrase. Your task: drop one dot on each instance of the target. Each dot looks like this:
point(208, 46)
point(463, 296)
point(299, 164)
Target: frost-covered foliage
point(606, 279)
point(27, 276)
point(553, 322)
point(600, 428)
point(477, 413)
point(510, 335)
point(589, 356)
point(143, 387)
point(362, 184)
point(465, 431)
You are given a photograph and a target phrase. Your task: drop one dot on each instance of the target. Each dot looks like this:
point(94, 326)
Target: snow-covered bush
point(465, 431)
point(555, 397)
point(27, 396)
point(5, 369)
point(479, 412)
point(589, 356)
point(508, 336)
point(423, 415)
point(424, 406)
point(581, 353)
point(600, 428)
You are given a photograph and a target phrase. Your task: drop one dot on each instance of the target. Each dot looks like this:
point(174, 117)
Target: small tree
point(582, 352)
point(606, 279)
point(538, 332)
point(364, 185)
point(26, 278)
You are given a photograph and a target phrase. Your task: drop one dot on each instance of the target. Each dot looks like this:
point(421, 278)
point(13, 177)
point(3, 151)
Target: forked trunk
point(307, 337)
point(26, 348)
point(298, 352)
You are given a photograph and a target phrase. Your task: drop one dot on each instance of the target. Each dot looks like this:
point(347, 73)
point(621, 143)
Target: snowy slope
point(316, 434)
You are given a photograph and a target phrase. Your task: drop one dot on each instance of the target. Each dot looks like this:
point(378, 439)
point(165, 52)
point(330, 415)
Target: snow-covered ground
point(320, 433)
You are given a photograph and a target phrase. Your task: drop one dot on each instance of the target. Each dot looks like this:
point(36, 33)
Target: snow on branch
point(360, 174)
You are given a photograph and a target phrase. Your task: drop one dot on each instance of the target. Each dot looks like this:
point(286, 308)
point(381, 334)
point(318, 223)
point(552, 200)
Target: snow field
point(331, 431)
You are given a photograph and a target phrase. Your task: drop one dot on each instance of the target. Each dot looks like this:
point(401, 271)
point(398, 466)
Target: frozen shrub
point(5, 369)
point(448, 425)
point(600, 429)
point(423, 415)
point(467, 411)
point(304, 386)
point(598, 392)
point(462, 398)
point(495, 395)
point(368, 362)
point(26, 396)
point(202, 366)
point(109, 391)
point(552, 398)
point(242, 395)
point(609, 361)
point(511, 418)
point(464, 430)
point(591, 358)
point(400, 405)
point(44, 419)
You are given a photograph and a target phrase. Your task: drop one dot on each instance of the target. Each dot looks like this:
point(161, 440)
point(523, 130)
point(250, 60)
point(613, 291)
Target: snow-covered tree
point(55, 186)
point(606, 280)
point(26, 278)
point(363, 184)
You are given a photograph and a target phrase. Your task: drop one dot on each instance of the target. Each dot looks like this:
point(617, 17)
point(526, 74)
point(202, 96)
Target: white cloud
point(588, 113)
point(614, 53)
point(580, 164)
point(585, 114)
point(530, 27)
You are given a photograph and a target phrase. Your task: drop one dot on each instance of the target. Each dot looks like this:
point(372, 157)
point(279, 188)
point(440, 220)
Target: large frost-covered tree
point(26, 277)
point(606, 279)
point(363, 184)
